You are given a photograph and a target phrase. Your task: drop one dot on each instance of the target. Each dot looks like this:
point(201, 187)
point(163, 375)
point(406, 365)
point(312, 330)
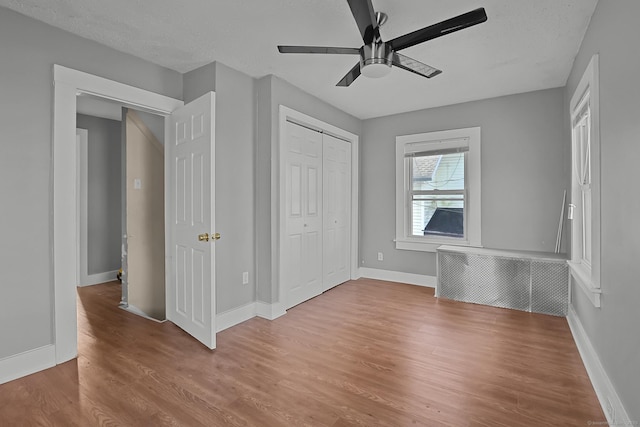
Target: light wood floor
point(366, 353)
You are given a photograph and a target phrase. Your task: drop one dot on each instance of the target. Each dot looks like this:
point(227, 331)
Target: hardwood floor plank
point(366, 353)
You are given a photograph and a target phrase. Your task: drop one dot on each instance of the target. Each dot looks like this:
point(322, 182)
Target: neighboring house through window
point(585, 189)
point(438, 189)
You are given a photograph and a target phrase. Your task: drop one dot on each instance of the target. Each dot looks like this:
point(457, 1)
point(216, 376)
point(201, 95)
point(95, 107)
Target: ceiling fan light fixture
point(376, 60)
point(376, 70)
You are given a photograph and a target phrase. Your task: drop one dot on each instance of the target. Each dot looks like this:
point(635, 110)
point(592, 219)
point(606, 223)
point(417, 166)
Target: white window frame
point(584, 105)
point(424, 142)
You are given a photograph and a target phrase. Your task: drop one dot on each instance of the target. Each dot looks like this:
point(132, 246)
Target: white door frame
point(82, 163)
point(68, 83)
point(278, 223)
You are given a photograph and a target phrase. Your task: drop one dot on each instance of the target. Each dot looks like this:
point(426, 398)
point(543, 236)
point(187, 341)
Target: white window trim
point(588, 277)
point(472, 183)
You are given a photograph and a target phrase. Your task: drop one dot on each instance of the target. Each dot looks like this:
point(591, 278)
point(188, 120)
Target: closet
point(316, 228)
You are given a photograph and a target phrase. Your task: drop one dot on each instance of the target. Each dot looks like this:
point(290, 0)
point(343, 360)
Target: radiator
point(528, 281)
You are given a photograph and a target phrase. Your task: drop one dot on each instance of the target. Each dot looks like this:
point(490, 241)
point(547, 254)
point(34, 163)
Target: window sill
point(428, 246)
point(582, 278)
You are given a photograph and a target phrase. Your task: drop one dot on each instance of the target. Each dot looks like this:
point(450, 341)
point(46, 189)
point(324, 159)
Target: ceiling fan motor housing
point(376, 59)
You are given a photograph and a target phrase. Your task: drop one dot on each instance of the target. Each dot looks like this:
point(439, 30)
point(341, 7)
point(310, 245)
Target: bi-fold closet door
point(317, 216)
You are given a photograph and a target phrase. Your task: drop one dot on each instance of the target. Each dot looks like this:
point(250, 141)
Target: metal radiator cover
point(510, 282)
point(485, 280)
point(549, 288)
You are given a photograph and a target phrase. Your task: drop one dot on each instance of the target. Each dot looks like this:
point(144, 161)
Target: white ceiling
point(525, 45)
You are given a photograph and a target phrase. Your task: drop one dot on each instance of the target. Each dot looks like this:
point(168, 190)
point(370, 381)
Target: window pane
point(438, 215)
point(440, 172)
point(583, 148)
point(586, 226)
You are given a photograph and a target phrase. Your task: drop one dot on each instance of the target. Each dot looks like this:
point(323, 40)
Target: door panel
point(181, 280)
point(337, 211)
point(312, 192)
point(198, 190)
point(199, 288)
point(303, 224)
point(296, 190)
point(191, 284)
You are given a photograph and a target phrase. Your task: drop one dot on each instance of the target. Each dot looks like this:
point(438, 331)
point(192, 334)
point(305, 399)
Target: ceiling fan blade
point(417, 67)
point(365, 16)
point(320, 49)
point(350, 76)
point(457, 23)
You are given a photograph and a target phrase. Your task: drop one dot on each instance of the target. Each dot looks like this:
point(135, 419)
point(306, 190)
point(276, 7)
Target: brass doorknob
point(203, 237)
point(215, 236)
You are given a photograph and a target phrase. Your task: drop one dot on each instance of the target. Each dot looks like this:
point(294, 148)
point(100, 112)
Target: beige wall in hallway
point(145, 219)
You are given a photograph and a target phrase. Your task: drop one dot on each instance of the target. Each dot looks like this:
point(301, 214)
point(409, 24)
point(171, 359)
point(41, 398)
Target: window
point(585, 190)
point(438, 189)
point(437, 193)
point(581, 170)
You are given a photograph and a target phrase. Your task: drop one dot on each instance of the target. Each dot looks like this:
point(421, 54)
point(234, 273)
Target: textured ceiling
point(524, 45)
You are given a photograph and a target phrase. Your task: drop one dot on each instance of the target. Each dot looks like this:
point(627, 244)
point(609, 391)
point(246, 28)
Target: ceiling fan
point(377, 56)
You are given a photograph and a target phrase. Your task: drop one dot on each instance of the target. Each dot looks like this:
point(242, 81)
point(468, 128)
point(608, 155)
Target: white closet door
point(336, 211)
point(303, 214)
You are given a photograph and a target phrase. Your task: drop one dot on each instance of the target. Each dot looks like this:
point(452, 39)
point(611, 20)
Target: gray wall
point(104, 200)
point(199, 81)
point(28, 51)
point(521, 165)
point(271, 93)
point(235, 209)
point(613, 328)
point(234, 178)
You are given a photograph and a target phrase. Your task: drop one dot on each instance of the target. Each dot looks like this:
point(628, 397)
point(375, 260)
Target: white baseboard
point(94, 279)
point(607, 395)
point(243, 313)
point(27, 363)
point(269, 311)
point(234, 316)
point(399, 276)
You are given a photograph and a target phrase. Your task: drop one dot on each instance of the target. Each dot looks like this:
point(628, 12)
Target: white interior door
point(336, 191)
point(190, 294)
point(303, 214)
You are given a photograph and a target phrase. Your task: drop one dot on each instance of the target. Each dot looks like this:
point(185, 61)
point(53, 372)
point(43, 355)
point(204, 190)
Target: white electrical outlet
point(245, 277)
point(380, 256)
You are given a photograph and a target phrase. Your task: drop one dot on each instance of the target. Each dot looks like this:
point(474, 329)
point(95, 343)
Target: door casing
point(68, 83)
